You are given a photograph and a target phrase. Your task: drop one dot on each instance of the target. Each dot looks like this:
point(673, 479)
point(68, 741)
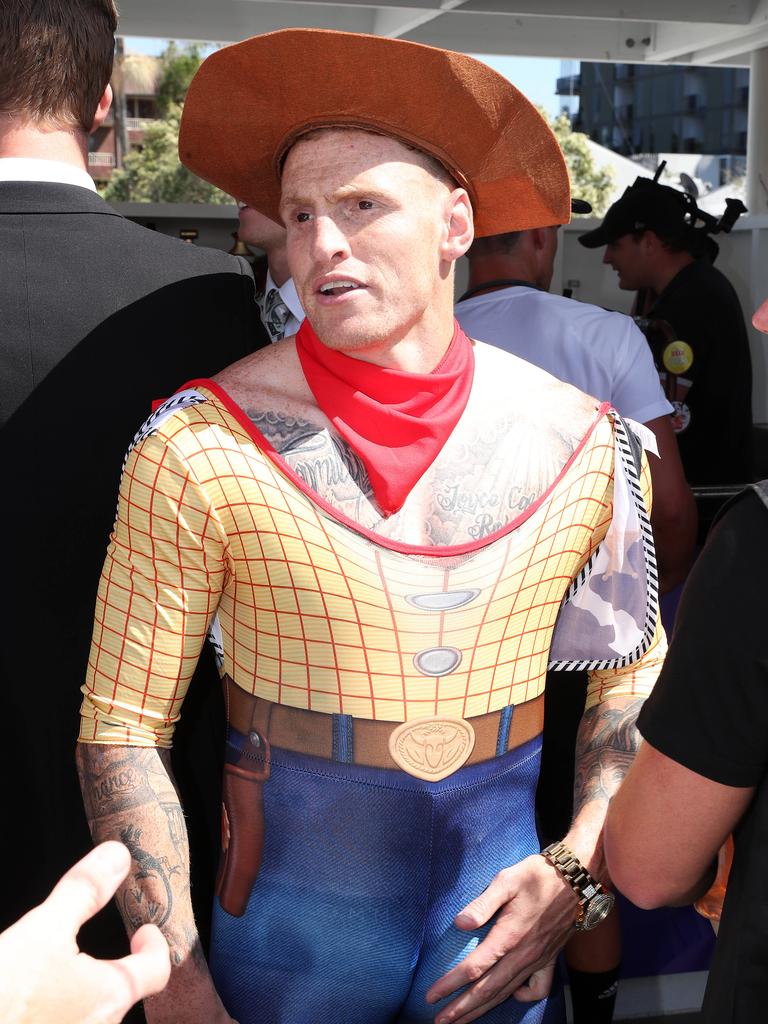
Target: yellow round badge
point(677, 357)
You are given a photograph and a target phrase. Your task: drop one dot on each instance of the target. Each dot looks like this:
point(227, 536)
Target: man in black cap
point(652, 242)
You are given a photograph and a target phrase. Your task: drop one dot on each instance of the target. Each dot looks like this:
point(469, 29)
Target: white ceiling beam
point(708, 43)
point(673, 43)
point(537, 37)
point(395, 21)
point(734, 52)
point(232, 20)
point(593, 30)
point(727, 12)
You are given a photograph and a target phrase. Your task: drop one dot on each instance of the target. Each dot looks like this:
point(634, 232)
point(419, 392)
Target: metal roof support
point(757, 134)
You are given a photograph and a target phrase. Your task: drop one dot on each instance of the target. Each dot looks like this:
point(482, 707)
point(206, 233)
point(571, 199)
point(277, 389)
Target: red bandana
point(397, 422)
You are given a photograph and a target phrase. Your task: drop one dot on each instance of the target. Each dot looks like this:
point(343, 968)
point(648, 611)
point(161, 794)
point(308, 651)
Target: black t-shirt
point(709, 712)
point(715, 388)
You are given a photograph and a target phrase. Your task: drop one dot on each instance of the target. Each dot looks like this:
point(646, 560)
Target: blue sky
point(535, 76)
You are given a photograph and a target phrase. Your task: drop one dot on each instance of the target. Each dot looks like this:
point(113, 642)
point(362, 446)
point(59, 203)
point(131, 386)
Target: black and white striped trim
point(181, 400)
point(215, 637)
point(629, 448)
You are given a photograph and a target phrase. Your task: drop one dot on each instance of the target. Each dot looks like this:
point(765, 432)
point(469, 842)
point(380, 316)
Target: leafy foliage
point(595, 184)
point(179, 67)
point(154, 173)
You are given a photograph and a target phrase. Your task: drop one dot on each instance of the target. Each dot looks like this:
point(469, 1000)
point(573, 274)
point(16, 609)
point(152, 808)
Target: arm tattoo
point(605, 748)
point(129, 795)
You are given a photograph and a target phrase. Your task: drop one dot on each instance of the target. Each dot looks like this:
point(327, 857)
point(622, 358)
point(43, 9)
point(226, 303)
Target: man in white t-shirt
point(602, 353)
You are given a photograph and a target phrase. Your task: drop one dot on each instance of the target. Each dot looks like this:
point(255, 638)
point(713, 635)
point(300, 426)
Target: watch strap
point(573, 871)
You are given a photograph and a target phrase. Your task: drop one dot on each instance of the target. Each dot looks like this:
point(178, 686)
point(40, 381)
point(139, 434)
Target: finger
point(144, 972)
point(88, 885)
point(496, 945)
point(482, 909)
point(458, 1013)
point(492, 988)
point(537, 986)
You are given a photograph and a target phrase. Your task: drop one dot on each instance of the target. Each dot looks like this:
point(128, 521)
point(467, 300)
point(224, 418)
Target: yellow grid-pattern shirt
point(314, 613)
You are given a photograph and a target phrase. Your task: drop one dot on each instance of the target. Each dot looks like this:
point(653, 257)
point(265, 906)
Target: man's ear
point(650, 241)
point(539, 238)
point(461, 228)
point(101, 110)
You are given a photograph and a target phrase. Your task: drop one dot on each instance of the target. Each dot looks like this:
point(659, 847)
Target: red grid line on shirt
point(249, 507)
point(313, 520)
point(242, 671)
point(546, 521)
point(520, 634)
point(395, 630)
point(363, 646)
point(96, 642)
point(329, 618)
point(150, 659)
point(347, 576)
point(131, 569)
point(502, 566)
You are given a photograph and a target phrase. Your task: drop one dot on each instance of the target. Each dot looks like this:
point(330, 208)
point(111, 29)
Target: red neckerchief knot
point(396, 421)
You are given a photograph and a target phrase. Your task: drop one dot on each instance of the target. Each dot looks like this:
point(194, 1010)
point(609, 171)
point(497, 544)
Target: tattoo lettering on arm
point(129, 796)
point(607, 742)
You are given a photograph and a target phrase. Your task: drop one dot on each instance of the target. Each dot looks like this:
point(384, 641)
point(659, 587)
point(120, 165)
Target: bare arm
point(674, 517)
point(129, 795)
point(665, 827)
point(606, 745)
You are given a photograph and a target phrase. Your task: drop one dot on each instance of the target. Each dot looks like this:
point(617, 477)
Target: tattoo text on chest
point(473, 494)
point(323, 461)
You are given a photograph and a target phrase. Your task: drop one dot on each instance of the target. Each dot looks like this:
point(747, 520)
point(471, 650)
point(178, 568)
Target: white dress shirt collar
point(22, 168)
point(290, 297)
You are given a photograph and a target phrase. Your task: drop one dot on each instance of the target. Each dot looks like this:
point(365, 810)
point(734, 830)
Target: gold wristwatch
point(595, 904)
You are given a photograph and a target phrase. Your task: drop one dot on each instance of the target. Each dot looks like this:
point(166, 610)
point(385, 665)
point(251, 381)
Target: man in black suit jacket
point(98, 317)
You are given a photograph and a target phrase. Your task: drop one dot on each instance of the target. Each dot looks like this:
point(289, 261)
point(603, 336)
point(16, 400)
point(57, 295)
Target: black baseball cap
point(644, 206)
point(581, 206)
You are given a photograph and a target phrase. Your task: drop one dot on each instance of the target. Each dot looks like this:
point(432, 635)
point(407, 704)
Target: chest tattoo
point(481, 482)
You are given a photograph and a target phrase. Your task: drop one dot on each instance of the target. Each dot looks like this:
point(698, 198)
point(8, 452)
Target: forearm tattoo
point(605, 748)
point(129, 796)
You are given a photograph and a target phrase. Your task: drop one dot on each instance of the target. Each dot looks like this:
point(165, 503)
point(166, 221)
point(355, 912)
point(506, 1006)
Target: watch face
point(598, 908)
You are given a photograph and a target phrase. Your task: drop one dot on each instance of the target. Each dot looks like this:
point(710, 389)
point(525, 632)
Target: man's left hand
point(535, 913)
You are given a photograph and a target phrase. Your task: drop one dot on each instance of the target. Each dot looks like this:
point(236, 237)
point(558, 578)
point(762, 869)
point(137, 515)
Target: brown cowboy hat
point(248, 103)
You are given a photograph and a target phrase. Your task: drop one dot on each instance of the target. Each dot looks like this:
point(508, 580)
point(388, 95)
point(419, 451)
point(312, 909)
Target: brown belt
point(426, 748)
point(311, 732)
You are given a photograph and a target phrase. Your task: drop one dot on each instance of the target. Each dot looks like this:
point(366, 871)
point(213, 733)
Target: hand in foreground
point(45, 977)
point(535, 912)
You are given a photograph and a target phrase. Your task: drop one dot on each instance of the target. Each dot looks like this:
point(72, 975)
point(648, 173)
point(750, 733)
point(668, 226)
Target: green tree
point(179, 67)
point(154, 173)
point(595, 184)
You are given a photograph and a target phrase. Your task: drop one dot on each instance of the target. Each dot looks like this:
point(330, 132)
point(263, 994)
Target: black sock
point(593, 995)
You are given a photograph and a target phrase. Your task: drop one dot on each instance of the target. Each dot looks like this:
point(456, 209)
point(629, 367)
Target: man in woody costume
point(391, 532)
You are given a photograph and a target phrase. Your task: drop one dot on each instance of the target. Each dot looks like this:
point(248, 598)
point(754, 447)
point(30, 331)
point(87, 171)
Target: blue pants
point(351, 918)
